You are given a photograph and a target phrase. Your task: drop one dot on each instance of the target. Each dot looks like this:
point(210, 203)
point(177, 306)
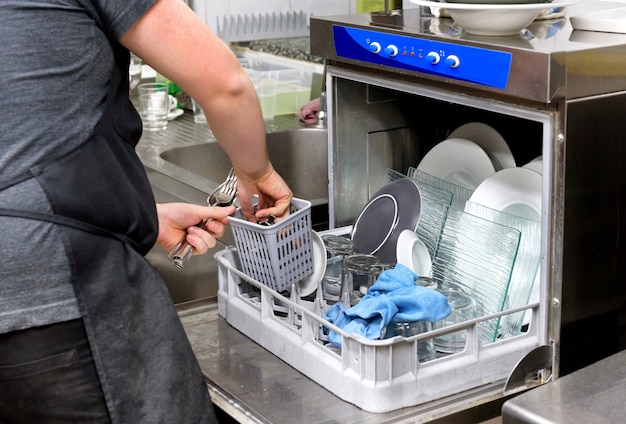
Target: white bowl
point(492, 19)
point(413, 253)
point(491, 22)
point(496, 2)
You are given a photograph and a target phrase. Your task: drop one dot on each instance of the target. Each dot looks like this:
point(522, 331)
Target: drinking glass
point(425, 348)
point(463, 308)
point(356, 277)
point(427, 282)
point(154, 105)
point(337, 248)
point(198, 113)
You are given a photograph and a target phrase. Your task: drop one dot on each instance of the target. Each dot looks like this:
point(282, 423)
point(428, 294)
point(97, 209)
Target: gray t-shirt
point(55, 64)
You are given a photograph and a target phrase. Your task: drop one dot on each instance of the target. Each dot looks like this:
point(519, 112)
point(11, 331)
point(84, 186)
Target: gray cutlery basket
point(278, 255)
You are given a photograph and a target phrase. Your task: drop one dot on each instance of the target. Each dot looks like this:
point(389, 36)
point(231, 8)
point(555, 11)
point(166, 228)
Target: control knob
point(433, 58)
point(391, 50)
point(375, 47)
point(453, 61)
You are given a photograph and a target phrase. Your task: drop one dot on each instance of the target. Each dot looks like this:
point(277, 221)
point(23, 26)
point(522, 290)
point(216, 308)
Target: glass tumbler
point(154, 105)
point(427, 282)
point(356, 277)
point(463, 308)
point(198, 113)
point(425, 349)
point(337, 248)
point(375, 271)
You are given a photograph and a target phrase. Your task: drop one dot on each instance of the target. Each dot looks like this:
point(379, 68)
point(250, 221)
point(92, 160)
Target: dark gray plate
point(377, 228)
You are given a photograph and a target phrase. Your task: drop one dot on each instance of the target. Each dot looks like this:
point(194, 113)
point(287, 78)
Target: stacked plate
point(515, 191)
point(471, 154)
point(516, 194)
point(476, 157)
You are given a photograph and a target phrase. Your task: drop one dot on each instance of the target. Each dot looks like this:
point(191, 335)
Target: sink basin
point(300, 156)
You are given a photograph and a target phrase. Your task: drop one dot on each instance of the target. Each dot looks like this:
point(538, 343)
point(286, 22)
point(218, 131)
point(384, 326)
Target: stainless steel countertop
point(254, 386)
point(594, 394)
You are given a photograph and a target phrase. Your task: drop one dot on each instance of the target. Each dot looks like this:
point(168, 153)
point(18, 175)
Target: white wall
point(230, 18)
point(213, 10)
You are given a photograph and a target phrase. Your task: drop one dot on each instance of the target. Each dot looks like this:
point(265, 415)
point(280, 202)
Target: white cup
point(173, 103)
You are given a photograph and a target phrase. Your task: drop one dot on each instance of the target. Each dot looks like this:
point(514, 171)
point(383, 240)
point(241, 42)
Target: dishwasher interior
point(560, 100)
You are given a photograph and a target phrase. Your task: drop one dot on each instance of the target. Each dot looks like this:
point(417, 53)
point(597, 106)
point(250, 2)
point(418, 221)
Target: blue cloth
point(394, 296)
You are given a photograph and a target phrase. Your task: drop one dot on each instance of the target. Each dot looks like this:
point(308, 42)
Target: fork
point(224, 195)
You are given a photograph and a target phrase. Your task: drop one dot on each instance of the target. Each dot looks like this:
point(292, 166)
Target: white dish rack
point(375, 375)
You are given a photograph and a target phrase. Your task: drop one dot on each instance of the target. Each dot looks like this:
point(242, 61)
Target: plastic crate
point(278, 255)
point(375, 375)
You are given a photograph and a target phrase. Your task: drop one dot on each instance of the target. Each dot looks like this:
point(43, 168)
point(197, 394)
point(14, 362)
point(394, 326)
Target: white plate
point(493, 19)
point(375, 223)
point(310, 283)
point(174, 114)
point(413, 253)
point(516, 191)
point(458, 161)
point(536, 165)
point(490, 140)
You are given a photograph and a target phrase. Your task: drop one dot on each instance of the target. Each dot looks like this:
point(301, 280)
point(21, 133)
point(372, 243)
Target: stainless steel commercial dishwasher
point(399, 82)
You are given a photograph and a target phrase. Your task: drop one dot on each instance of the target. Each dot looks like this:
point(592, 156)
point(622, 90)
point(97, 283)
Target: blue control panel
point(460, 62)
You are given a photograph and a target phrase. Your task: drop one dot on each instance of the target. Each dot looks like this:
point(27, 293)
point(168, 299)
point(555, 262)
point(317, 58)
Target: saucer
point(174, 114)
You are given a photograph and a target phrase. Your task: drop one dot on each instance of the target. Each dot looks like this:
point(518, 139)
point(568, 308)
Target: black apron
point(101, 196)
